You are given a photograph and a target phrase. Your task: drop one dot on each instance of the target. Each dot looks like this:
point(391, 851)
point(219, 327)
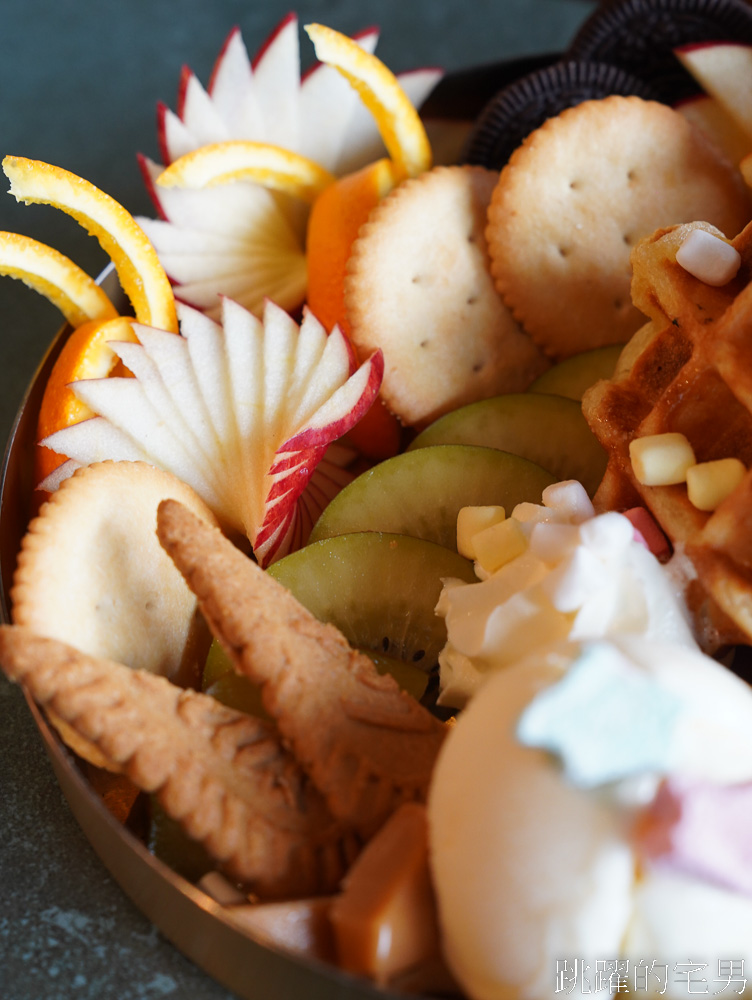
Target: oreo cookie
point(639, 36)
point(524, 105)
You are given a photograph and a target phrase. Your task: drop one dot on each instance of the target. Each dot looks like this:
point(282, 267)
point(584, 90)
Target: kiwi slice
point(379, 589)
point(548, 430)
point(572, 377)
point(421, 491)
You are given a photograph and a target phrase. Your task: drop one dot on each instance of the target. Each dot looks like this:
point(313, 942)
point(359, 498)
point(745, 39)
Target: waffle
point(688, 370)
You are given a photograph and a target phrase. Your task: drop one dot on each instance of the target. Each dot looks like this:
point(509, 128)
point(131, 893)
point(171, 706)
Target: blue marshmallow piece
point(605, 719)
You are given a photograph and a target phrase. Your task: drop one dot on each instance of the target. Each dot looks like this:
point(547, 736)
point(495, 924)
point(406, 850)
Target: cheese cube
point(499, 544)
point(709, 483)
point(470, 521)
point(661, 459)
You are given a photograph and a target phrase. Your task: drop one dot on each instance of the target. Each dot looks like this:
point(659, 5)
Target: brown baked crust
point(225, 776)
point(366, 745)
point(688, 371)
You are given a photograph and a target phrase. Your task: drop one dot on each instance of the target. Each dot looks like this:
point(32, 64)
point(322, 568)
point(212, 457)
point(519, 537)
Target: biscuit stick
point(223, 775)
point(366, 745)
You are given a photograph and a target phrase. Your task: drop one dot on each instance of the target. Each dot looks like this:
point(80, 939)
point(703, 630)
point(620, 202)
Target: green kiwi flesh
point(379, 589)
point(420, 492)
point(548, 430)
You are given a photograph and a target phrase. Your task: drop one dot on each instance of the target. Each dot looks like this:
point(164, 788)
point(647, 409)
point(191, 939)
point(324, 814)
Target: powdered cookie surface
point(92, 573)
point(419, 288)
point(578, 195)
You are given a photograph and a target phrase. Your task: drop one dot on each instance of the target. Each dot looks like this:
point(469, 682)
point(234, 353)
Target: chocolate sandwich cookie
point(640, 37)
point(524, 105)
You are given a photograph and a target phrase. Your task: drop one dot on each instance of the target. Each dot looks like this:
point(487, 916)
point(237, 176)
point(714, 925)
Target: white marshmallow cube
point(708, 258)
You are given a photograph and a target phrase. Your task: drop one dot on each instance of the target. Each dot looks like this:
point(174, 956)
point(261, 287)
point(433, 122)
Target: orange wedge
point(397, 120)
point(141, 275)
point(86, 354)
point(238, 160)
point(336, 216)
point(78, 297)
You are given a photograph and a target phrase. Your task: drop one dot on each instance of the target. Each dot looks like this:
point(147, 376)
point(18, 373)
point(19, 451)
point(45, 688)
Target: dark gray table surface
point(79, 83)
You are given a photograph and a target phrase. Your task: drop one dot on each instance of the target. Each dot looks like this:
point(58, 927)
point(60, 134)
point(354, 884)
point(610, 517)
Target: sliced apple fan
point(244, 412)
point(239, 240)
point(242, 240)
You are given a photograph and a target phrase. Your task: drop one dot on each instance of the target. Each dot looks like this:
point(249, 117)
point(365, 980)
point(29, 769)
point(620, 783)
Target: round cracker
point(576, 197)
point(91, 571)
point(419, 287)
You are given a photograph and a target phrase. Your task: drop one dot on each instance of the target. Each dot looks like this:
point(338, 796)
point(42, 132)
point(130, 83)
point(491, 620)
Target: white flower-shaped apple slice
point(242, 240)
point(317, 114)
point(244, 412)
point(239, 240)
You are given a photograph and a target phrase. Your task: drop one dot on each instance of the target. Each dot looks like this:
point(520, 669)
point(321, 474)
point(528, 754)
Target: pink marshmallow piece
point(702, 830)
point(648, 532)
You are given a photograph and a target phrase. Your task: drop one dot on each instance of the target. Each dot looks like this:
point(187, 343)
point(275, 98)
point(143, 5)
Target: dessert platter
point(374, 536)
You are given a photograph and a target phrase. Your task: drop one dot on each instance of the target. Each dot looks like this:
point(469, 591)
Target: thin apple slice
point(548, 430)
point(316, 114)
point(243, 412)
point(329, 111)
point(709, 115)
point(365, 144)
point(420, 493)
point(572, 377)
point(397, 120)
point(236, 239)
point(723, 70)
point(244, 241)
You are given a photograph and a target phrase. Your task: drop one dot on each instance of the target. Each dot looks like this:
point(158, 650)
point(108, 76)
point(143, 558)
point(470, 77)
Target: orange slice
point(141, 275)
point(86, 354)
point(336, 216)
point(238, 160)
point(397, 120)
point(78, 297)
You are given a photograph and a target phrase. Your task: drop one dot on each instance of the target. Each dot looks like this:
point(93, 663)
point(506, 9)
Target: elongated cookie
point(366, 745)
point(223, 775)
point(574, 199)
point(418, 287)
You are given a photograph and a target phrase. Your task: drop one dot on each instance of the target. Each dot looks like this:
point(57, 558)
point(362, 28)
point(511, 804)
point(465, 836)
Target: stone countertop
point(79, 84)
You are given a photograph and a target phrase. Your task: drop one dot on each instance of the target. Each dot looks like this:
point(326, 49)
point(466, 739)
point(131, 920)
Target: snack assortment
point(418, 655)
